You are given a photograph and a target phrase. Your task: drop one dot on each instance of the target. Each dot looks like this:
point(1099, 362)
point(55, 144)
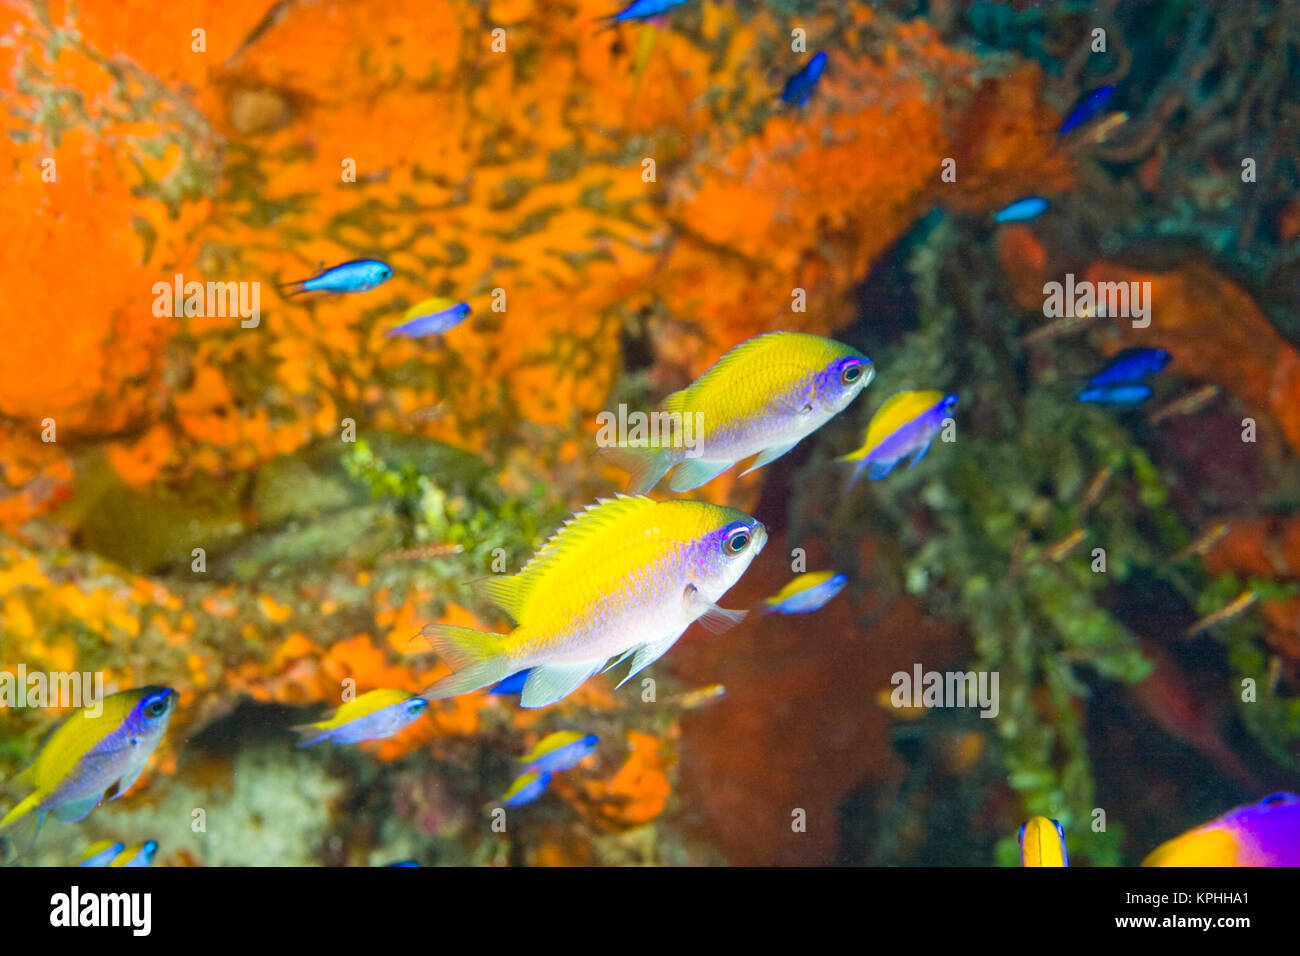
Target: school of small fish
point(624, 578)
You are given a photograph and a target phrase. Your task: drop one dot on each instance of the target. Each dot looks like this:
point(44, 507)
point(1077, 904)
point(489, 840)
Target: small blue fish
point(403, 863)
point(141, 854)
point(800, 87)
point(1131, 367)
point(514, 684)
point(432, 323)
point(1022, 210)
point(560, 751)
point(807, 592)
point(644, 10)
point(1088, 108)
point(1125, 395)
point(359, 275)
point(527, 788)
point(102, 853)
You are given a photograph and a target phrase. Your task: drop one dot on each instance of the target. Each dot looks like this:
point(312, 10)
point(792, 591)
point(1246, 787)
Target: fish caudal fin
point(309, 734)
point(25, 807)
point(477, 659)
point(19, 829)
point(292, 288)
point(645, 466)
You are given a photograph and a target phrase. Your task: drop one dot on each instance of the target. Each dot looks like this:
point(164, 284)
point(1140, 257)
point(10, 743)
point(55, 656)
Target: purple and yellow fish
point(1042, 843)
point(904, 425)
point(526, 788)
point(88, 758)
point(560, 751)
point(372, 716)
point(1259, 834)
point(807, 592)
point(431, 317)
point(624, 578)
point(102, 853)
point(762, 398)
point(142, 854)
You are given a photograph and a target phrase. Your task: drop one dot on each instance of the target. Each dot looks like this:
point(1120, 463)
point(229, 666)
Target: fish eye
point(850, 372)
point(736, 540)
point(156, 708)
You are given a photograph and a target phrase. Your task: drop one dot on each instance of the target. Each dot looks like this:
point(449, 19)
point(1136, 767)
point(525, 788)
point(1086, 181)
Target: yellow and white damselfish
point(762, 398)
point(624, 578)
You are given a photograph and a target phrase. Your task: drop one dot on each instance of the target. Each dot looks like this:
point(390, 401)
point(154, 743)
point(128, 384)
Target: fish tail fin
point(19, 829)
point(645, 466)
point(292, 288)
point(477, 659)
point(310, 734)
point(856, 467)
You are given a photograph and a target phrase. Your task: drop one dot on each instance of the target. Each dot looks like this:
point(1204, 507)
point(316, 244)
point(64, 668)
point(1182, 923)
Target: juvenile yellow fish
point(624, 578)
point(90, 757)
point(372, 716)
point(1042, 843)
point(905, 425)
point(761, 398)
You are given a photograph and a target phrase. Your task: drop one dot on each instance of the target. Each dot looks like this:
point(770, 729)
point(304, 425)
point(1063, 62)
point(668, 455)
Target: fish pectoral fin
point(75, 811)
point(548, 683)
point(770, 455)
point(647, 654)
point(693, 472)
point(126, 781)
point(919, 455)
point(715, 619)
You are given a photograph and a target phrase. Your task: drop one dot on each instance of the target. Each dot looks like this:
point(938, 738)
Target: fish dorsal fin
point(506, 592)
point(898, 411)
point(719, 374)
point(571, 542)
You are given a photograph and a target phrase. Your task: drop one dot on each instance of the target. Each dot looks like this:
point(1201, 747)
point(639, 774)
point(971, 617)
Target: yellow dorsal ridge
point(739, 354)
point(512, 593)
point(897, 411)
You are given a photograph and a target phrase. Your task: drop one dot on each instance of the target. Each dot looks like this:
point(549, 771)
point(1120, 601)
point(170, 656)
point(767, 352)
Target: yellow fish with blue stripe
point(624, 578)
point(95, 753)
point(905, 425)
point(102, 853)
point(142, 854)
point(1042, 843)
point(560, 751)
point(374, 715)
point(762, 398)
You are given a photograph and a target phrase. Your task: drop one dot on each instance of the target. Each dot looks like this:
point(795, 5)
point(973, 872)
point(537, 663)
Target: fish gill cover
point(230, 468)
